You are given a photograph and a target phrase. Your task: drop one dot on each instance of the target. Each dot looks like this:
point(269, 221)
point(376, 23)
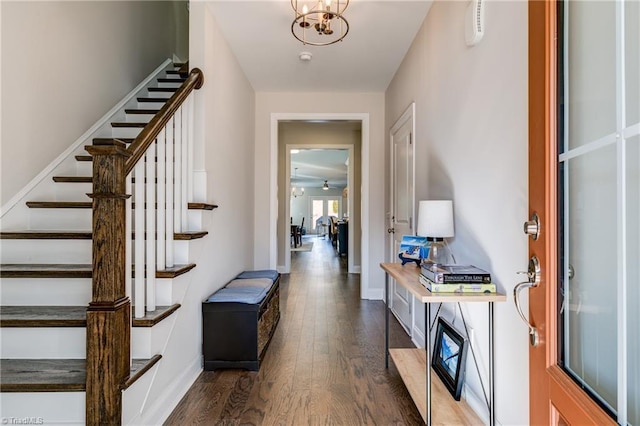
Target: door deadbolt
point(532, 227)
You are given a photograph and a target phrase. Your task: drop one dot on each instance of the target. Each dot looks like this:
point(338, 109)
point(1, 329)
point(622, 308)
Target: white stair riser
point(171, 290)
point(171, 84)
point(73, 191)
point(126, 132)
point(148, 341)
point(151, 105)
point(44, 343)
point(61, 219)
point(139, 118)
point(45, 251)
point(164, 95)
point(84, 168)
point(63, 408)
point(70, 342)
point(45, 291)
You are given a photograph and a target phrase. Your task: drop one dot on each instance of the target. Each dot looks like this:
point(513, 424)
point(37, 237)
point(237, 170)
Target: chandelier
point(294, 190)
point(321, 24)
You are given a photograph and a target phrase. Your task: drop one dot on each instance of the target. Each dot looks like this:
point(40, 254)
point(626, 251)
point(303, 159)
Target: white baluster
point(184, 167)
point(161, 193)
point(138, 292)
point(169, 208)
point(189, 109)
point(128, 267)
point(150, 189)
point(177, 178)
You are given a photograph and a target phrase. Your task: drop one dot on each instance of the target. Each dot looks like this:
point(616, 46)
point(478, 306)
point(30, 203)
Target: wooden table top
point(408, 276)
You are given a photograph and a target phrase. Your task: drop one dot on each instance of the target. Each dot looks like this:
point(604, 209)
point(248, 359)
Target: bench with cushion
point(239, 320)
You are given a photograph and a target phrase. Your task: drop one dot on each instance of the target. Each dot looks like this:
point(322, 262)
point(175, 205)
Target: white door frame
point(287, 245)
point(365, 188)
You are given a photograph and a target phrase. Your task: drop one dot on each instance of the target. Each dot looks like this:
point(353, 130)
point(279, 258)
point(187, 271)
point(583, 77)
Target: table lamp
point(435, 221)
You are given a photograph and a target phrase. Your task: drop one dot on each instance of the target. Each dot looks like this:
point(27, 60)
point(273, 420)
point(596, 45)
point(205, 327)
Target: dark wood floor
point(325, 364)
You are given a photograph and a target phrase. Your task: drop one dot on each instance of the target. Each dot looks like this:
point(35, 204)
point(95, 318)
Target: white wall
point(224, 160)
point(64, 65)
point(471, 147)
point(266, 166)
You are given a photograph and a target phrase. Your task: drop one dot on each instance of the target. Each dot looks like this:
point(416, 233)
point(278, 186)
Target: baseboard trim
point(375, 294)
point(81, 140)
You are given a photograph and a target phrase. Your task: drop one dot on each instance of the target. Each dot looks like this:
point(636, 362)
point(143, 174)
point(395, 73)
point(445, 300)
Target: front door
point(402, 205)
point(584, 186)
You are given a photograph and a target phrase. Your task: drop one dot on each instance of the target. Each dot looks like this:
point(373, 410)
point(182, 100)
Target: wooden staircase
point(42, 260)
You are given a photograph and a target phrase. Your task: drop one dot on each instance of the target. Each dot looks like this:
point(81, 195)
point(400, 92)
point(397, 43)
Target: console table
point(414, 363)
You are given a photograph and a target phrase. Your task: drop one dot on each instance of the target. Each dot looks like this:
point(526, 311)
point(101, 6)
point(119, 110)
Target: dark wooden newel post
point(109, 313)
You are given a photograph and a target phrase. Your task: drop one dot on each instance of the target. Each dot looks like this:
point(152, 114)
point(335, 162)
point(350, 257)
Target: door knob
point(533, 280)
point(532, 227)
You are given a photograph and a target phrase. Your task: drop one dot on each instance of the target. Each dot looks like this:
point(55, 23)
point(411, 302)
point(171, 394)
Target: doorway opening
point(327, 155)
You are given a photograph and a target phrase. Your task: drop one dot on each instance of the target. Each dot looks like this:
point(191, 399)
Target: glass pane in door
point(590, 304)
point(633, 278)
point(317, 212)
point(632, 61)
point(591, 70)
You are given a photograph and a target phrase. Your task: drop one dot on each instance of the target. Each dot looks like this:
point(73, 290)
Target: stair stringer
point(14, 214)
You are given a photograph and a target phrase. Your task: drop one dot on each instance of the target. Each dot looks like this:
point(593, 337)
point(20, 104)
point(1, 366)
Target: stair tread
point(142, 111)
point(98, 141)
point(45, 235)
point(87, 205)
point(151, 99)
point(84, 158)
point(163, 89)
point(73, 179)
point(80, 235)
point(202, 206)
point(13, 270)
point(172, 80)
point(128, 124)
point(69, 316)
point(56, 375)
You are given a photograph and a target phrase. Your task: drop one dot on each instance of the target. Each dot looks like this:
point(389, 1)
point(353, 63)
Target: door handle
point(391, 230)
point(533, 280)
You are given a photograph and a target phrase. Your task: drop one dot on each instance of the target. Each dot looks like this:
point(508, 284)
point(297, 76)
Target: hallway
point(325, 363)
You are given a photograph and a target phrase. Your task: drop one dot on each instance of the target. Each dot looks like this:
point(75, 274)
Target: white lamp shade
point(435, 219)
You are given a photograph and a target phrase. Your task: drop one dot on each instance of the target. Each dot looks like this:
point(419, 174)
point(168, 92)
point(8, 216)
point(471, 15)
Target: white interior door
point(402, 206)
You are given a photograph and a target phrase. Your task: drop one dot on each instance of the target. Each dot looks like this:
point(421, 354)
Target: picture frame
point(449, 357)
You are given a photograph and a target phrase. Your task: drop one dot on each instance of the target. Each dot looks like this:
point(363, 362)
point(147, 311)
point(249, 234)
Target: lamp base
point(439, 252)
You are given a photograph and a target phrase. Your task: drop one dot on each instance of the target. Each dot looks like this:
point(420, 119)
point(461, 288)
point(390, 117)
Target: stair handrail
point(147, 136)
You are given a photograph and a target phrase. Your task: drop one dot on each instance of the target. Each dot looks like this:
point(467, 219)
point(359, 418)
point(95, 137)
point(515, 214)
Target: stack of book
point(455, 279)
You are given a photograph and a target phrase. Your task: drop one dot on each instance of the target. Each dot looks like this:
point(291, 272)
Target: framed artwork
point(449, 357)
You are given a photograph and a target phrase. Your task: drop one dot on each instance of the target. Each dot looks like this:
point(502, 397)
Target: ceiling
point(314, 166)
point(259, 34)
point(380, 34)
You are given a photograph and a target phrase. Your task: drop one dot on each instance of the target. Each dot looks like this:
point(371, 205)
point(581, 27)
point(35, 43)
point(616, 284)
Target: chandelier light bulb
point(305, 9)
